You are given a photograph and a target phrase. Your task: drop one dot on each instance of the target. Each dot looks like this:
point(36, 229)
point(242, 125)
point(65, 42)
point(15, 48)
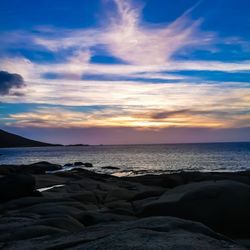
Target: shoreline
point(50, 168)
point(87, 210)
point(135, 144)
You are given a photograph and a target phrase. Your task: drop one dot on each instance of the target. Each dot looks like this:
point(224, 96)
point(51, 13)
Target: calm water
point(140, 159)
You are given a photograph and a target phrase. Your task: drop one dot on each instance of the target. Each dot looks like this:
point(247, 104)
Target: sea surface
point(140, 159)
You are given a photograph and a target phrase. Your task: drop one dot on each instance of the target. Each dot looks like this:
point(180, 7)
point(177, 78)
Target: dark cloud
point(214, 113)
point(9, 81)
point(166, 114)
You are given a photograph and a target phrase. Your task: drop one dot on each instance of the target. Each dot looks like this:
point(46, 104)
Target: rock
point(93, 218)
point(96, 211)
point(88, 165)
point(147, 194)
point(8, 223)
point(158, 233)
point(7, 169)
point(30, 232)
point(78, 163)
point(30, 201)
point(118, 194)
point(14, 186)
point(181, 178)
point(67, 223)
point(68, 165)
point(42, 167)
point(70, 208)
point(110, 168)
point(85, 197)
point(221, 205)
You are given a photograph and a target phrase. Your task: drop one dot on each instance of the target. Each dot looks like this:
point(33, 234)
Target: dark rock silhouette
point(209, 202)
point(15, 186)
point(110, 168)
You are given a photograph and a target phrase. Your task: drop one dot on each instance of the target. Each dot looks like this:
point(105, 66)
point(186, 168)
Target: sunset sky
point(125, 71)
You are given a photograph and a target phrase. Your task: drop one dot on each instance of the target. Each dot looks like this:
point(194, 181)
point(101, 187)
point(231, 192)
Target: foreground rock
point(221, 205)
point(110, 168)
point(35, 168)
point(14, 186)
point(150, 233)
point(80, 209)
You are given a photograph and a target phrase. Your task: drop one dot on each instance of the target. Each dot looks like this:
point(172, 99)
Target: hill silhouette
point(8, 140)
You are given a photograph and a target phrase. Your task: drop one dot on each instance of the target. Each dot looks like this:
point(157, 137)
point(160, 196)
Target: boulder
point(29, 232)
point(42, 167)
point(110, 168)
point(221, 205)
point(92, 218)
point(78, 163)
point(68, 165)
point(88, 165)
point(158, 233)
point(14, 186)
point(67, 223)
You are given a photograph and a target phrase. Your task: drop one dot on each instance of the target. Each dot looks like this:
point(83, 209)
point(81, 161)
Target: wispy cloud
point(131, 117)
point(148, 54)
point(124, 35)
point(135, 42)
point(145, 48)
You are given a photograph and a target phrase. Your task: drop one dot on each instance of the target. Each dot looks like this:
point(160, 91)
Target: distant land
point(8, 140)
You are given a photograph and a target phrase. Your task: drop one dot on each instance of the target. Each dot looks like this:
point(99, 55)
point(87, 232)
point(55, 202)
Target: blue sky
point(151, 67)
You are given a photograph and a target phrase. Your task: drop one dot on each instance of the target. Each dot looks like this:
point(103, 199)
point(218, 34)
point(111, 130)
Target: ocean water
point(140, 159)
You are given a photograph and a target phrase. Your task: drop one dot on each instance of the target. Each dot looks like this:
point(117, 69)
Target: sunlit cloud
point(125, 36)
point(143, 91)
point(134, 42)
point(131, 117)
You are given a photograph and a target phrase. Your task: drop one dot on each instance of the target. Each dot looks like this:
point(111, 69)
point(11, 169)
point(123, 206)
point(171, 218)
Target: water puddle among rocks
point(51, 187)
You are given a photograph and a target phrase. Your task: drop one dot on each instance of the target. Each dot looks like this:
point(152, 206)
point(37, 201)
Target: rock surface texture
point(80, 209)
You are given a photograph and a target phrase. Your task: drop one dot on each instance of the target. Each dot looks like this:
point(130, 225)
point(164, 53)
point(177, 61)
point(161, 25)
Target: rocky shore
point(43, 208)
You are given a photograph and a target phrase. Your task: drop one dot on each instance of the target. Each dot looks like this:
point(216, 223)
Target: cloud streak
point(136, 43)
point(142, 92)
point(124, 35)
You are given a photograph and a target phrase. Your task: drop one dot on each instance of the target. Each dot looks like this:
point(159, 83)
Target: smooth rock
point(221, 205)
point(14, 186)
point(158, 233)
point(110, 168)
point(78, 163)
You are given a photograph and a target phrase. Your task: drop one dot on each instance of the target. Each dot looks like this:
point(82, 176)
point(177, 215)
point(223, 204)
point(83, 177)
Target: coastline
point(81, 209)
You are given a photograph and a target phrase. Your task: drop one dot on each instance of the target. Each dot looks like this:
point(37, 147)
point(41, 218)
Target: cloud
point(166, 114)
point(148, 53)
point(9, 81)
point(123, 35)
point(143, 47)
point(138, 43)
point(215, 115)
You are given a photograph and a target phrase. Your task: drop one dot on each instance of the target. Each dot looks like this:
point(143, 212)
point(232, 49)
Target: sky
point(125, 71)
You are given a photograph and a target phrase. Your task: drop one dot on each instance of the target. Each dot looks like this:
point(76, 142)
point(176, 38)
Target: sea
point(139, 159)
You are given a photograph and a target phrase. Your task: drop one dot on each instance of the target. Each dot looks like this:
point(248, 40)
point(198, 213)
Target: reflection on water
point(48, 188)
point(138, 159)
